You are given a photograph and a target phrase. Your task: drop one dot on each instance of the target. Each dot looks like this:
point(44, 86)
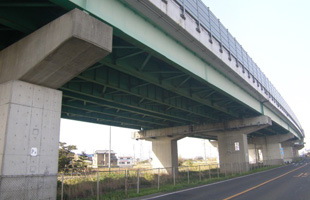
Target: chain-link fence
point(97, 184)
point(35, 187)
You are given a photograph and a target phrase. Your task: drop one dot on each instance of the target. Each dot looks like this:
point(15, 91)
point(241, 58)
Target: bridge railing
point(207, 20)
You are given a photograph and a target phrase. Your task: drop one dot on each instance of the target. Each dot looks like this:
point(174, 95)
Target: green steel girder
point(94, 90)
point(101, 101)
point(95, 108)
point(145, 62)
point(130, 55)
point(124, 47)
point(122, 111)
point(122, 82)
point(103, 117)
point(26, 4)
point(21, 17)
point(132, 69)
point(167, 85)
point(17, 19)
point(65, 4)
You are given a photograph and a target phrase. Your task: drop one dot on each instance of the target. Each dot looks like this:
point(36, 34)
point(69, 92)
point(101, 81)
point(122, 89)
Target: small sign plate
point(34, 151)
point(237, 148)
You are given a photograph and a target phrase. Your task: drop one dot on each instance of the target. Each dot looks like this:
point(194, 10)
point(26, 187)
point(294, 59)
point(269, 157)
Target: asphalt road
point(291, 182)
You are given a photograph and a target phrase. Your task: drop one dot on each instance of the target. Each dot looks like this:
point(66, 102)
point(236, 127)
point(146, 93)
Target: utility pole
point(134, 153)
point(204, 149)
point(110, 149)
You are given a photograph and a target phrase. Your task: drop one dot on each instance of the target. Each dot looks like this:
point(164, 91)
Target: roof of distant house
point(88, 155)
point(103, 151)
point(125, 156)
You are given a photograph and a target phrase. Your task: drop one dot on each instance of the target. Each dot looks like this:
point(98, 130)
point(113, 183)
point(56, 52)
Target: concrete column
point(165, 153)
point(29, 113)
point(232, 141)
point(29, 140)
point(272, 148)
point(272, 153)
point(252, 154)
point(233, 151)
point(288, 154)
point(295, 153)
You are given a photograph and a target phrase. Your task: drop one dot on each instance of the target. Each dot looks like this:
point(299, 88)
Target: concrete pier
point(29, 140)
point(165, 154)
point(233, 151)
point(271, 147)
point(231, 135)
point(30, 107)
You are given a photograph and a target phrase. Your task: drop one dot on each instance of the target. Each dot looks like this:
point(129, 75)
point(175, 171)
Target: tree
point(80, 164)
point(83, 157)
point(65, 155)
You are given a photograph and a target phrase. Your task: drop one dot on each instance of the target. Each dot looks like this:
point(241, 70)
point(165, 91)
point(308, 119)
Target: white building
point(125, 161)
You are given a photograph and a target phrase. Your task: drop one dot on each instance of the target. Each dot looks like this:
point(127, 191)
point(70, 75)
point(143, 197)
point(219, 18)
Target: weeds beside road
point(122, 184)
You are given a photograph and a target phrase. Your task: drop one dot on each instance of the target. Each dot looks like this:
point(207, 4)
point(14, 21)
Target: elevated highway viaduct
point(167, 68)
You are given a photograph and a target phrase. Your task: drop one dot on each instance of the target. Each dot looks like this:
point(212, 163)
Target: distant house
point(125, 161)
point(101, 158)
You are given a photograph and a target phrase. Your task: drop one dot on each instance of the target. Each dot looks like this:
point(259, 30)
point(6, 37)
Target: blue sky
point(276, 34)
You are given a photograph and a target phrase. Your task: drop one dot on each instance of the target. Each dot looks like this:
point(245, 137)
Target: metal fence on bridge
point(207, 20)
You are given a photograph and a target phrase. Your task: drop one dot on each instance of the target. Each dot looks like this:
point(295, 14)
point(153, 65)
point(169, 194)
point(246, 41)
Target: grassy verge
point(132, 193)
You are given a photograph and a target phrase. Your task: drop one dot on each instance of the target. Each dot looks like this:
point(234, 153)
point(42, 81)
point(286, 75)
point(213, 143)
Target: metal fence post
point(98, 184)
point(138, 181)
point(126, 182)
point(199, 173)
point(209, 171)
point(225, 169)
point(173, 171)
point(187, 175)
point(158, 178)
point(62, 186)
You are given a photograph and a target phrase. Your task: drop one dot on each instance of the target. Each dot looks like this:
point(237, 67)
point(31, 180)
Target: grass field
point(122, 184)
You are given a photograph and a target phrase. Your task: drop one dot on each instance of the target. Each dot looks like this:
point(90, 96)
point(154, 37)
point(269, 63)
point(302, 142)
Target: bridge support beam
point(57, 52)
point(232, 141)
point(30, 110)
point(29, 140)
